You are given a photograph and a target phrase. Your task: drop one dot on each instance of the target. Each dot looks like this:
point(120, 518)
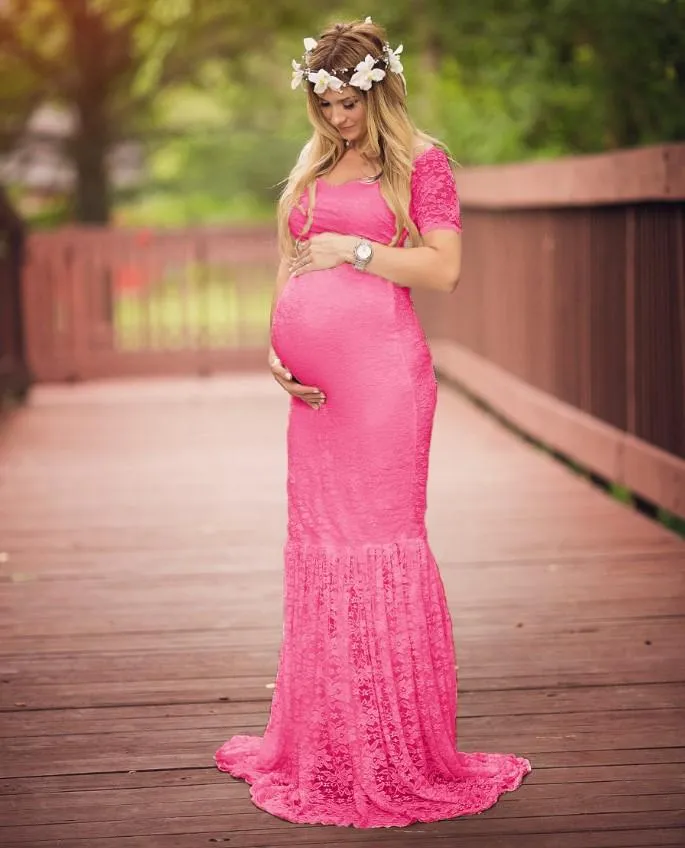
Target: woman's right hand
point(309, 394)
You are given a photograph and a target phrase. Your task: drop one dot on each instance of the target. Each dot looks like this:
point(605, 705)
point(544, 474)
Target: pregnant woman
point(362, 729)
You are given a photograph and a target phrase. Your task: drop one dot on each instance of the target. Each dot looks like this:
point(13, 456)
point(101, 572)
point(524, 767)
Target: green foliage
point(205, 84)
point(498, 81)
point(54, 213)
point(621, 493)
point(673, 522)
point(107, 61)
point(576, 75)
point(223, 149)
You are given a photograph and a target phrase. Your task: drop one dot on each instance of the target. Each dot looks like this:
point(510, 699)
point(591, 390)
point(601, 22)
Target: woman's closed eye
point(347, 106)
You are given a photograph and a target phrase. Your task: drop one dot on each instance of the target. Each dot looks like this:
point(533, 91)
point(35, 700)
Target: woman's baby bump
point(325, 320)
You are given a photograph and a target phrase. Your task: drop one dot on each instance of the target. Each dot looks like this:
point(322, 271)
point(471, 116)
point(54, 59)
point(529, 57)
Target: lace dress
point(362, 729)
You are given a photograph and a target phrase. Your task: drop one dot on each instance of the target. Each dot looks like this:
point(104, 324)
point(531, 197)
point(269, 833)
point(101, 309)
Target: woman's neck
point(352, 151)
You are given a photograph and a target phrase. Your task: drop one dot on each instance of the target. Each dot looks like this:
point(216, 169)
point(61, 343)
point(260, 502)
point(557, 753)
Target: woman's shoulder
point(421, 146)
point(434, 198)
point(429, 158)
point(428, 153)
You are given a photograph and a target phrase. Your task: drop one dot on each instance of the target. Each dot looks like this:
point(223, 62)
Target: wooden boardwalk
point(141, 527)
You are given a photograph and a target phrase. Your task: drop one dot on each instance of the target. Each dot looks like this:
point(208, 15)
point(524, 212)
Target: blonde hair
point(390, 132)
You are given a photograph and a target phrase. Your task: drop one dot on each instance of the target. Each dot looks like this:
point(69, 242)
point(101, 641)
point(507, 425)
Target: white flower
point(298, 74)
point(365, 74)
point(394, 62)
point(323, 80)
point(309, 44)
point(368, 20)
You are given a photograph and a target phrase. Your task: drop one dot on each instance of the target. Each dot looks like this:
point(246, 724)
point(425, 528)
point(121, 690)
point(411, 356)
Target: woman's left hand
point(325, 250)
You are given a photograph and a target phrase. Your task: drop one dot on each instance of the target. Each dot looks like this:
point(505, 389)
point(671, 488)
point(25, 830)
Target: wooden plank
point(197, 754)
point(195, 750)
point(651, 774)
point(218, 650)
point(396, 838)
point(174, 691)
point(118, 805)
point(607, 839)
point(645, 663)
point(219, 823)
point(566, 731)
point(472, 704)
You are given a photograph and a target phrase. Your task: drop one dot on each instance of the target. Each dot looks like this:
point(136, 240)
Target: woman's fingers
point(302, 257)
point(302, 262)
point(278, 369)
point(309, 394)
point(299, 264)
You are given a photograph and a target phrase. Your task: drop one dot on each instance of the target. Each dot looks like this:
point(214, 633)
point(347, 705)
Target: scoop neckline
point(374, 180)
point(362, 180)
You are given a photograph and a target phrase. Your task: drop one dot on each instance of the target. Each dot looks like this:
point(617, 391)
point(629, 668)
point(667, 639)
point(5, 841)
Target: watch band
point(363, 254)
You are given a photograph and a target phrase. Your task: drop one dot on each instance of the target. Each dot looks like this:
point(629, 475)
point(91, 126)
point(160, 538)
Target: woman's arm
point(434, 265)
point(281, 279)
point(277, 367)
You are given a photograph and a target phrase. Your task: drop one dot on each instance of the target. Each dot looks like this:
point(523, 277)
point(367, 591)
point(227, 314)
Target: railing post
point(631, 372)
point(202, 276)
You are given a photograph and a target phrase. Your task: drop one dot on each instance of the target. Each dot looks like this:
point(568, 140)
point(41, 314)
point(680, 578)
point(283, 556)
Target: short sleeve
point(434, 197)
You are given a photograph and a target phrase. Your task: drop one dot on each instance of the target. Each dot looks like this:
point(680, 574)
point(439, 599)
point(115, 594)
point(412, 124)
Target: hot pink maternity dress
point(362, 729)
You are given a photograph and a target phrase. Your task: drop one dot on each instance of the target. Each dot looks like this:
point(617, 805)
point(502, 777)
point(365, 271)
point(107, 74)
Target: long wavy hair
point(390, 132)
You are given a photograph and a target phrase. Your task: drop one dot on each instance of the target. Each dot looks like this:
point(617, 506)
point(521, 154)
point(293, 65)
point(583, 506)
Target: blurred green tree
point(205, 85)
point(107, 61)
point(572, 75)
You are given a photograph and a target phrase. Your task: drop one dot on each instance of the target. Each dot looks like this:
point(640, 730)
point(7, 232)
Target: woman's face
point(346, 111)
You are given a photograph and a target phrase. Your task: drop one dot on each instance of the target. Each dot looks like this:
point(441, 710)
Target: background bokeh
point(168, 112)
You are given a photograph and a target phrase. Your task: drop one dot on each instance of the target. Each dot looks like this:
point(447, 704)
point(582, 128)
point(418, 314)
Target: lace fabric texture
point(434, 197)
point(362, 728)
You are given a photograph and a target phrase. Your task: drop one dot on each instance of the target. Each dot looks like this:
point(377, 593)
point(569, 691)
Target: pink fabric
point(362, 729)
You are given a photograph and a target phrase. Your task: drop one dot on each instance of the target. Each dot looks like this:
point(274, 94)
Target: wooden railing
point(102, 303)
point(14, 375)
point(570, 315)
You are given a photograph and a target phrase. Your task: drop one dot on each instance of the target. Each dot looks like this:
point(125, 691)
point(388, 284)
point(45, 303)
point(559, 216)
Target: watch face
point(363, 251)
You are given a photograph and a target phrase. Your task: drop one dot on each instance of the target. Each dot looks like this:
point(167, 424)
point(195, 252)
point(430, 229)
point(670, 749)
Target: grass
point(198, 306)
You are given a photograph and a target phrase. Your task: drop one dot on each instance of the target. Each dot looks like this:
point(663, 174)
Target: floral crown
point(365, 73)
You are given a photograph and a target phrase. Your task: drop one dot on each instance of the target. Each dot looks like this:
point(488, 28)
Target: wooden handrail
point(655, 173)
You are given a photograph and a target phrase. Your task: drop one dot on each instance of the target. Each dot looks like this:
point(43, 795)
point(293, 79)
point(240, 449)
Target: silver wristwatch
point(363, 254)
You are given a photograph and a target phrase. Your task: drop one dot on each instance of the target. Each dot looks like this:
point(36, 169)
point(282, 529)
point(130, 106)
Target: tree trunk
point(91, 95)
point(91, 195)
